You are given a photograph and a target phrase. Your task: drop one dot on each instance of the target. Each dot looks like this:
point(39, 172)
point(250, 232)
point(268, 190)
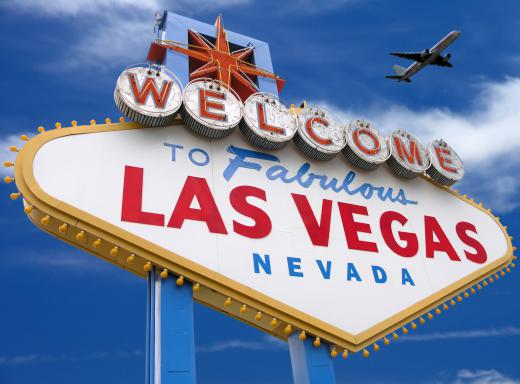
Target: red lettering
point(263, 123)
point(352, 228)
point(205, 104)
point(480, 255)
point(309, 126)
point(318, 232)
point(132, 207)
point(238, 200)
point(361, 146)
point(385, 223)
point(411, 154)
point(197, 188)
point(444, 159)
point(149, 86)
point(433, 229)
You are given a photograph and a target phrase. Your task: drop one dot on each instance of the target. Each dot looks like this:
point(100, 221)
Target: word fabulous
point(153, 96)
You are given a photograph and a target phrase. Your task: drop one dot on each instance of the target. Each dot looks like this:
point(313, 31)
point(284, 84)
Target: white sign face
point(346, 250)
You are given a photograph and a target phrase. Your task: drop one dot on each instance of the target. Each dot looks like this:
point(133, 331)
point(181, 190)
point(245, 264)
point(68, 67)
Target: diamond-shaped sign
point(271, 238)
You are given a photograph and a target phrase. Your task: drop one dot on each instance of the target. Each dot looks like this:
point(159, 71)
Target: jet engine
point(447, 57)
point(425, 53)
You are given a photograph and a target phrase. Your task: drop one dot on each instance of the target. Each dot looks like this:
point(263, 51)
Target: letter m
point(158, 97)
point(411, 154)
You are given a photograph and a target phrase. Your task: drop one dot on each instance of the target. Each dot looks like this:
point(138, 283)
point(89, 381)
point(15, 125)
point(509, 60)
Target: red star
point(216, 61)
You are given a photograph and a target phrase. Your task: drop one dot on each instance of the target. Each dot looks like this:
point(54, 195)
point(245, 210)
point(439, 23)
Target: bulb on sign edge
point(273, 322)
point(97, 243)
point(376, 347)
point(13, 148)
point(366, 353)
point(405, 330)
point(514, 257)
point(317, 342)
point(196, 287)
point(513, 265)
point(227, 302)
point(491, 280)
point(395, 336)
point(24, 138)
point(333, 352)
point(485, 283)
point(63, 228)
point(80, 236)
point(41, 129)
point(466, 294)
point(108, 121)
point(45, 220)
point(459, 298)
point(121, 119)
point(28, 209)
point(445, 306)
point(472, 290)
point(258, 316)
point(429, 316)
point(57, 125)
point(386, 341)
point(164, 274)
point(496, 276)
point(147, 266)
point(508, 270)
point(243, 309)
point(438, 311)
point(479, 287)
point(74, 123)
point(130, 259)
point(302, 336)
point(8, 164)
point(421, 320)
point(452, 302)
point(502, 273)
point(114, 251)
point(344, 354)
point(8, 180)
point(180, 281)
point(413, 325)
point(92, 122)
point(288, 329)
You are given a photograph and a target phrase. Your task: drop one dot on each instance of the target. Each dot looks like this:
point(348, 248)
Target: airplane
point(424, 58)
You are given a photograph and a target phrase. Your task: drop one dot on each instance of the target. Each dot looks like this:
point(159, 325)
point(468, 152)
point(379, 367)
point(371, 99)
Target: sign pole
point(310, 364)
point(170, 343)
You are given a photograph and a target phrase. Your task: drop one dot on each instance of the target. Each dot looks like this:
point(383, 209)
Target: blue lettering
point(325, 271)
point(293, 263)
point(264, 263)
point(238, 161)
point(352, 272)
point(199, 163)
point(173, 147)
point(407, 278)
point(379, 274)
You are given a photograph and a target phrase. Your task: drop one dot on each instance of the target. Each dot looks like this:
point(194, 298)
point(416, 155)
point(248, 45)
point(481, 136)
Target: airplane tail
point(399, 70)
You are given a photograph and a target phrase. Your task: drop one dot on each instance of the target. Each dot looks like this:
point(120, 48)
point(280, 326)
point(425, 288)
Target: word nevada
point(152, 96)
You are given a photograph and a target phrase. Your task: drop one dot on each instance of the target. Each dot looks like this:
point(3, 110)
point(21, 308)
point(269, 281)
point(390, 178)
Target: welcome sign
point(275, 239)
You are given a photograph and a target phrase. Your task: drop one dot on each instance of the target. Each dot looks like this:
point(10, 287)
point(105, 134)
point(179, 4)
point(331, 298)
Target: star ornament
point(218, 61)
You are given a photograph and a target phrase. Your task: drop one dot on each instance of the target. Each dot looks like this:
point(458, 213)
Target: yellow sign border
point(215, 290)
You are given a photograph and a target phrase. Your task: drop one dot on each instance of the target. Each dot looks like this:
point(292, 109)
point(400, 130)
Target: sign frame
point(135, 254)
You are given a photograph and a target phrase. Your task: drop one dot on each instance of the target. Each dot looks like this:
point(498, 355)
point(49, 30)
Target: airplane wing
point(441, 61)
point(409, 55)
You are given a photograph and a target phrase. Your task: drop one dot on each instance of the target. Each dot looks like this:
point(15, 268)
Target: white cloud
point(466, 376)
point(470, 334)
point(66, 357)
point(486, 136)
point(114, 33)
point(269, 343)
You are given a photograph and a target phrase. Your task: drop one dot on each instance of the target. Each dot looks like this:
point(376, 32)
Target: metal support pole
point(170, 344)
point(310, 365)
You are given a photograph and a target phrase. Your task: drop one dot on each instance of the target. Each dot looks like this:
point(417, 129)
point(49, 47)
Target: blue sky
point(68, 317)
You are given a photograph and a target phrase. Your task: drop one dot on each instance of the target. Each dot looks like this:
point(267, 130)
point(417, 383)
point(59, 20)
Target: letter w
point(140, 95)
point(318, 232)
